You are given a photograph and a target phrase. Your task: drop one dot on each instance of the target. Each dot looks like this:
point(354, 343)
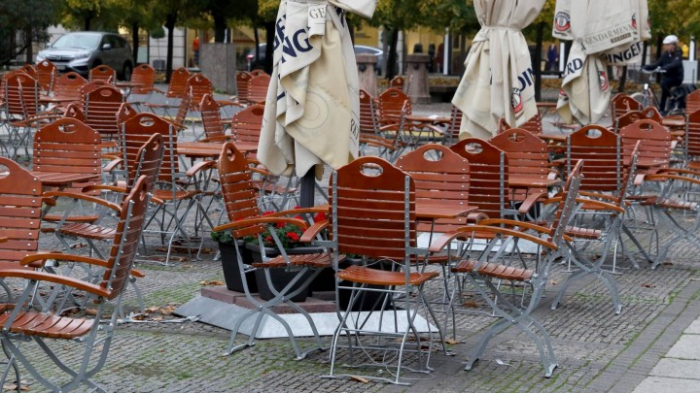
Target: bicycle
point(647, 97)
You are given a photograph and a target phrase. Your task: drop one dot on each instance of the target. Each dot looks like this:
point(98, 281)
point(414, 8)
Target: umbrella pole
point(307, 185)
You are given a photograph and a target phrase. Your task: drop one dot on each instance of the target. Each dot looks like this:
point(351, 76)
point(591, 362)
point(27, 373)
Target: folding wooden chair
point(374, 215)
point(144, 77)
point(606, 232)
point(529, 171)
point(68, 86)
point(46, 75)
point(452, 132)
point(87, 338)
point(692, 102)
point(101, 107)
point(369, 129)
point(655, 148)
point(628, 118)
point(214, 127)
point(621, 104)
point(245, 219)
point(21, 107)
point(394, 107)
point(242, 79)
point(104, 73)
point(177, 90)
point(489, 271)
point(173, 188)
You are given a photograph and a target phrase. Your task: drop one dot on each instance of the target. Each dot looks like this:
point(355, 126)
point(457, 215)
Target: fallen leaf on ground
point(211, 283)
point(91, 311)
point(14, 387)
point(167, 310)
point(450, 341)
point(139, 317)
point(667, 263)
point(647, 285)
point(471, 304)
point(152, 309)
point(359, 379)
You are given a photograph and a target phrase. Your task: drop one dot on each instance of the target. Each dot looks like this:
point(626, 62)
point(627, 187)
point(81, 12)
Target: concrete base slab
point(318, 303)
point(686, 348)
point(694, 328)
point(677, 368)
point(225, 315)
point(661, 384)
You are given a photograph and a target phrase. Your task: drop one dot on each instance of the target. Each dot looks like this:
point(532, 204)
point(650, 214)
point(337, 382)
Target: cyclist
point(671, 62)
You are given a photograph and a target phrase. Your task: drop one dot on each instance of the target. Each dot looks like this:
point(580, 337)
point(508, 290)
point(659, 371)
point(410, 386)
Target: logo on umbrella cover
point(563, 96)
point(562, 21)
point(516, 101)
point(602, 76)
point(634, 21)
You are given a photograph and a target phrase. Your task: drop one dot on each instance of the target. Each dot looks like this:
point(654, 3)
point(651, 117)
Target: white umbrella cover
point(312, 104)
point(603, 25)
point(498, 80)
point(585, 92)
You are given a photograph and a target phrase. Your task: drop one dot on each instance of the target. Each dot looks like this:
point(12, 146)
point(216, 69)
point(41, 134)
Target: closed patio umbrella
point(312, 104)
point(498, 80)
point(604, 33)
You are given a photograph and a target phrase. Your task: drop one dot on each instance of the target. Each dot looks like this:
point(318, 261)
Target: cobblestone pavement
point(597, 350)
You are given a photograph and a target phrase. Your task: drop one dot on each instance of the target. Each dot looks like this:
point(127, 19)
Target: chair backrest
point(534, 125)
point(46, 75)
point(242, 79)
point(488, 177)
point(29, 69)
point(566, 205)
point(528, 157)
point(68, 85)
point(368, 113)
point(622, 104)
point(146, 163)
point(182, 109)
point(692, 135)
point(68, 146)
point(178, 83)
point(257, 89)
point(211, 117)
point(73, 111)
point(692, 102)
point(101, 107)
point(125, 112)
point(656, 142)
point(246, 124)
point(240, 196)
point(21, 94)
point(20, 211)
point(393, 104)
point(104, 73)
point(198, 86)
point(126, 239)
point(138, 130)
point(146, 76)
point(452, 131)
point(397, 82)
point(628, 118)
point(374, 206)
point(439, 174)
point(601, 149)
point(92, 85)
point(652, 113)
point(258, 73)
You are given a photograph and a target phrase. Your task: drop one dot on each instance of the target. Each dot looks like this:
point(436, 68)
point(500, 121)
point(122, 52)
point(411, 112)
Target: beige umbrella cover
point(312, 104)
point(602, 25)
point(562, 21)
point(498, 80)
point(632, 53)
point(585, 92)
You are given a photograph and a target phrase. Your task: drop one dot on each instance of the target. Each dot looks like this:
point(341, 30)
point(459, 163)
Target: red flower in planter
point(321, 216)
point(293, 236)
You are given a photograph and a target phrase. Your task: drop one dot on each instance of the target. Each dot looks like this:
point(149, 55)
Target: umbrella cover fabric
point(498, 81)
point(603, 25)
point(585, 92)
point(312, 104)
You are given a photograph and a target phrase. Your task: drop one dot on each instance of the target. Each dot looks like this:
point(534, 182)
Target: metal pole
point(307, 184)
point(691, 49)
point(447, 46)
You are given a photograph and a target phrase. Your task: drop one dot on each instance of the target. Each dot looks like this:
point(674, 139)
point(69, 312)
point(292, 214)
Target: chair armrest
point(59, 256)
point(303, 210)
point(261, 220)
point(476, 217)
point(200, 166)
point(531, 200)
point(463, 233)
point(105, 187)
point(312, 231)
point(112, 165)
point(87, 198)
point(57, 279)
point(514, 223)
point(666, 177)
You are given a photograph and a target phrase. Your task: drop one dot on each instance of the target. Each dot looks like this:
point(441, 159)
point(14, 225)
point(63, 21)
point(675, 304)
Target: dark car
point(260, 64)
point(85, 50)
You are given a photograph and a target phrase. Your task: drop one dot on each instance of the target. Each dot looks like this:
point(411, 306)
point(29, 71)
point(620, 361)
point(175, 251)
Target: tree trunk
point(135, 41)
point(393, 52)
point(645, 49)
point(29, 59)
point(270, 48)
point(537, 66)
point(170, 20)
point(88, 19)
point(219, 27)
point(623, 80)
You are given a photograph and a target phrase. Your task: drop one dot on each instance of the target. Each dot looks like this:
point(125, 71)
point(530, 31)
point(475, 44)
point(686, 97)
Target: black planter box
point(232, 275)
point(280, 277)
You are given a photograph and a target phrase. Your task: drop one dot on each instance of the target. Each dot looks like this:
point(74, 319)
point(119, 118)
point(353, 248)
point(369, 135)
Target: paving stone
point(677, 368)
point(660, 384)
point(687, 347)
